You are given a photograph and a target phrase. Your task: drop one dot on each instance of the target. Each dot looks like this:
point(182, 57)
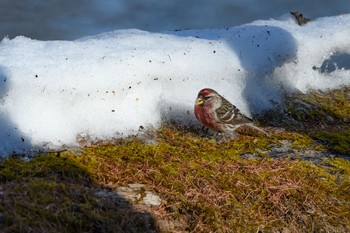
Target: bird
point(217, 113)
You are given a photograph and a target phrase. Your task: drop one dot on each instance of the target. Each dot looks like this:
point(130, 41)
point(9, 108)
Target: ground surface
point(181, 180)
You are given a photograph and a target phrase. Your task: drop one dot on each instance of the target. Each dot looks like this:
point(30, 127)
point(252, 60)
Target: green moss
point(336, 102)
point(48, 166)
point(55, 194)
point(323, 116)
point(319, 106)
point(298, 141)
point(205, 185)
point(341, 165)
point(211, 188)
point(338, 141)
point(342, 171)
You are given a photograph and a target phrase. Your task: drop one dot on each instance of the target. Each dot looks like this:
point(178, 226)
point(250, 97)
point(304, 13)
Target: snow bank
point(110, 84)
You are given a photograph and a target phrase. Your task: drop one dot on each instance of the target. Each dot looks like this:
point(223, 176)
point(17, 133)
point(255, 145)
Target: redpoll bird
point(218, 114)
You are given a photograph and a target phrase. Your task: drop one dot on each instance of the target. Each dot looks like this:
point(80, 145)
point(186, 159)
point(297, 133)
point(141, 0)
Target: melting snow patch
point(109, 85)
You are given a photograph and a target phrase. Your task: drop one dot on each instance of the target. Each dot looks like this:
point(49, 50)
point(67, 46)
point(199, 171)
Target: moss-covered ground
point(250, 183)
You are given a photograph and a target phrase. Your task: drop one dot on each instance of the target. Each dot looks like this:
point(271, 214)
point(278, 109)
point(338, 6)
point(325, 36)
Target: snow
point(108, 85)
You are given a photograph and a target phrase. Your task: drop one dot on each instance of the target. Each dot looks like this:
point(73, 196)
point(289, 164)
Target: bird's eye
point(207, 97)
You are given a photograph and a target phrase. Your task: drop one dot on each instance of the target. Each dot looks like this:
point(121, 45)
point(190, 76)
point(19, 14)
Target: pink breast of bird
point(206, 117)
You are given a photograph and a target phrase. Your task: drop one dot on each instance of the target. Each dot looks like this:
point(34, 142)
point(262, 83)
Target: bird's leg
point(205, 129)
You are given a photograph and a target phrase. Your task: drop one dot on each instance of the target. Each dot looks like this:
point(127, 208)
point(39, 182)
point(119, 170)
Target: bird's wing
point(228, 113)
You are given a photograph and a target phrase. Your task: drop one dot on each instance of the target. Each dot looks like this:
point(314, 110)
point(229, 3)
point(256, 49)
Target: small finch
point(215, 112)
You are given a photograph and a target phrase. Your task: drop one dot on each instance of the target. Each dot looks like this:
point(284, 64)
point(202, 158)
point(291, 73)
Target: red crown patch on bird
point(206, 91)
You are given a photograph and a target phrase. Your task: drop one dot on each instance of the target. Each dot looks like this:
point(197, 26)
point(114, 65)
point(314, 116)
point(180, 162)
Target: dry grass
point(205, 186)
point(211, 189)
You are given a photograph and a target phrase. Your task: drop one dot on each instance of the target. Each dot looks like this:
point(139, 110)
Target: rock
point(137, 193)
point(330, 119)
point(301, 20)
point(151, 199)
point(134, 193)
point(136, 186)
point(171, 226)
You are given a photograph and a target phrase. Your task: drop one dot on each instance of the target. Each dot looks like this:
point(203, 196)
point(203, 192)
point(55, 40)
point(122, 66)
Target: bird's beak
point(199, 101)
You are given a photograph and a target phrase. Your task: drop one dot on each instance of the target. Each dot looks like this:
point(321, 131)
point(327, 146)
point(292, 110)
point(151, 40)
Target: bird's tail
point(258, 129)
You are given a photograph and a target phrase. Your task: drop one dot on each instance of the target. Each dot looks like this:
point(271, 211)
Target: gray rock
point(137, 193)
